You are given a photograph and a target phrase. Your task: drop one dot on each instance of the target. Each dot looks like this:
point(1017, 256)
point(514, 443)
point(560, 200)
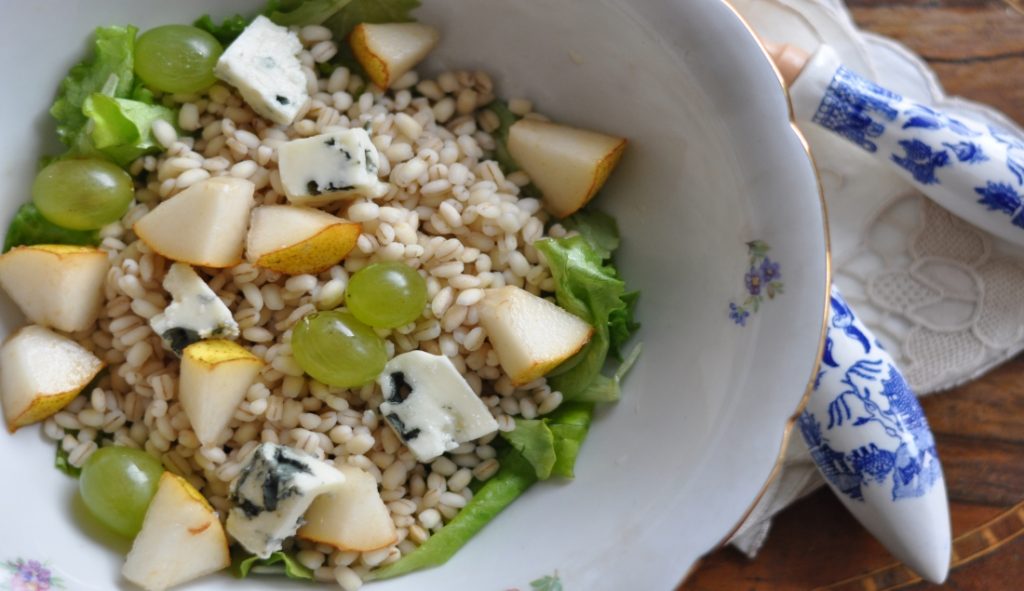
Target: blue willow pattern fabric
point(868, 398)
point(927, 143)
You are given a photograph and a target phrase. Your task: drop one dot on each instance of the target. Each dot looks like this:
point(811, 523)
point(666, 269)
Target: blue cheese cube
point(430, 406)
point(262, 64)
point(194, 314)
point(272, 492)
point(330, 166)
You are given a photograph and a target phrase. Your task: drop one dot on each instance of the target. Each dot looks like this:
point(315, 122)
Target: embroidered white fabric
point(941, 295)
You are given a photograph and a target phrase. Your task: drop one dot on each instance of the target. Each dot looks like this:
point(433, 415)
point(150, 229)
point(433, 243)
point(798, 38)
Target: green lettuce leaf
point(279, 563)
point(506, 118)
point(583, 284)
point(121, 127)
point(569, 425)
point(30, 227)
point(622, 324)
point(561, 433)
point(597, 228)
point(364, 11)
point(227, 31)
point(589, 287)
point(534, 440)
point(61, 462)
point(514, 477)
point(608, 389)
point(108, 70)
point(551, 444)
point(369, 11)
point(309, 12)
point(141, 93)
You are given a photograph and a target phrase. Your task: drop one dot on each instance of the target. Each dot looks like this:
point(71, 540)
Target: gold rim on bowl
point(788, 431)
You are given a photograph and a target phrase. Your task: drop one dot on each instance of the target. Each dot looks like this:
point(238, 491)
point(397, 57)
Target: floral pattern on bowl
point(545, 583)
point(29, 575)
point(762, 279)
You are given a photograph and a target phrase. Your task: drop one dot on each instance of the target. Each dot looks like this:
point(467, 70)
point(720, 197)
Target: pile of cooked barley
point(450, 213)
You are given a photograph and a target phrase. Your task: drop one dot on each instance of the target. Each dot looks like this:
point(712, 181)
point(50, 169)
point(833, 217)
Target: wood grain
point(977, 49)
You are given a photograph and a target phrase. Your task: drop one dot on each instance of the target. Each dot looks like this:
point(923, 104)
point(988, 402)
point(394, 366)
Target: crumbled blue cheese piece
point(262, 64)
point(272, 492)
point(430, 406)
point(195, 313)
point(330, 166)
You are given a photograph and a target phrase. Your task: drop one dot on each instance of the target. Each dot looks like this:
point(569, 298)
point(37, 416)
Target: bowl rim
point(791, 421)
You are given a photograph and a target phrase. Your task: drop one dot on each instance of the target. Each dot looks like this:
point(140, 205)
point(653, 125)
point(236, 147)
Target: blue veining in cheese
point(330, 166)
point(272, 492)
point(430, 406)
point(195, 313)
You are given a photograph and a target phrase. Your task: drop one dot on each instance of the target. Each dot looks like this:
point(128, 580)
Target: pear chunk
point(567, 164)
point(204, 225)
point(181, 538)
point(352, 518)
point(388, 50)
point(40, 373)
point(215, 375)
point(531, 335)
point(56, 285)
point(296, 240)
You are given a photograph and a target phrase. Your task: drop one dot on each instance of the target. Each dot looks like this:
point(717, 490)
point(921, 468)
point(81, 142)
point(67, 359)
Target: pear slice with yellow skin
point(530, 335)
point(388, 50)
point(568, 165)
point(215, 375)
point(204, 225)
point(296, 240)
point(181, 538)
point(40, 373)
point(56, 285)
point(354, 517)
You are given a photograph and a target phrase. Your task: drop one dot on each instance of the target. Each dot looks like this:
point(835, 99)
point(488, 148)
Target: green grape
point(82, 194)
point(117, 484)
point(386, 295)
point(337, 349)
point(177, 58)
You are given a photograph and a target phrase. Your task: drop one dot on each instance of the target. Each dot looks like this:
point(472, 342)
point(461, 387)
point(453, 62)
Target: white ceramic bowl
point(713, 164)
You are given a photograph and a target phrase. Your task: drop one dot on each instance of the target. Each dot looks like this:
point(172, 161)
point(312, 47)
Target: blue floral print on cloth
point(863, 425)
point(974, 170)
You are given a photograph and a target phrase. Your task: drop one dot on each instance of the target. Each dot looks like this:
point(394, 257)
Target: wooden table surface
point(977, 49)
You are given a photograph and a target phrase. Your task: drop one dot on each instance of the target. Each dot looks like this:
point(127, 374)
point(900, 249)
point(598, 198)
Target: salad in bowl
point(329, 316)
point(344, 292)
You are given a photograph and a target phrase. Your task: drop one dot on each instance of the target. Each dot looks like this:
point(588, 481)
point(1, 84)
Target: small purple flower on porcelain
point(30, 575)
point(770, 271)
point(753, 281)
point(761, 279)
point(738, 314)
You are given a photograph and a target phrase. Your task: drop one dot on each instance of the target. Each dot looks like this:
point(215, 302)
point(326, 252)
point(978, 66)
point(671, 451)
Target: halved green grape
point(386, 295)
point(82, 194)
point(337, 349)
point(117, 484)
point(177, 58)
